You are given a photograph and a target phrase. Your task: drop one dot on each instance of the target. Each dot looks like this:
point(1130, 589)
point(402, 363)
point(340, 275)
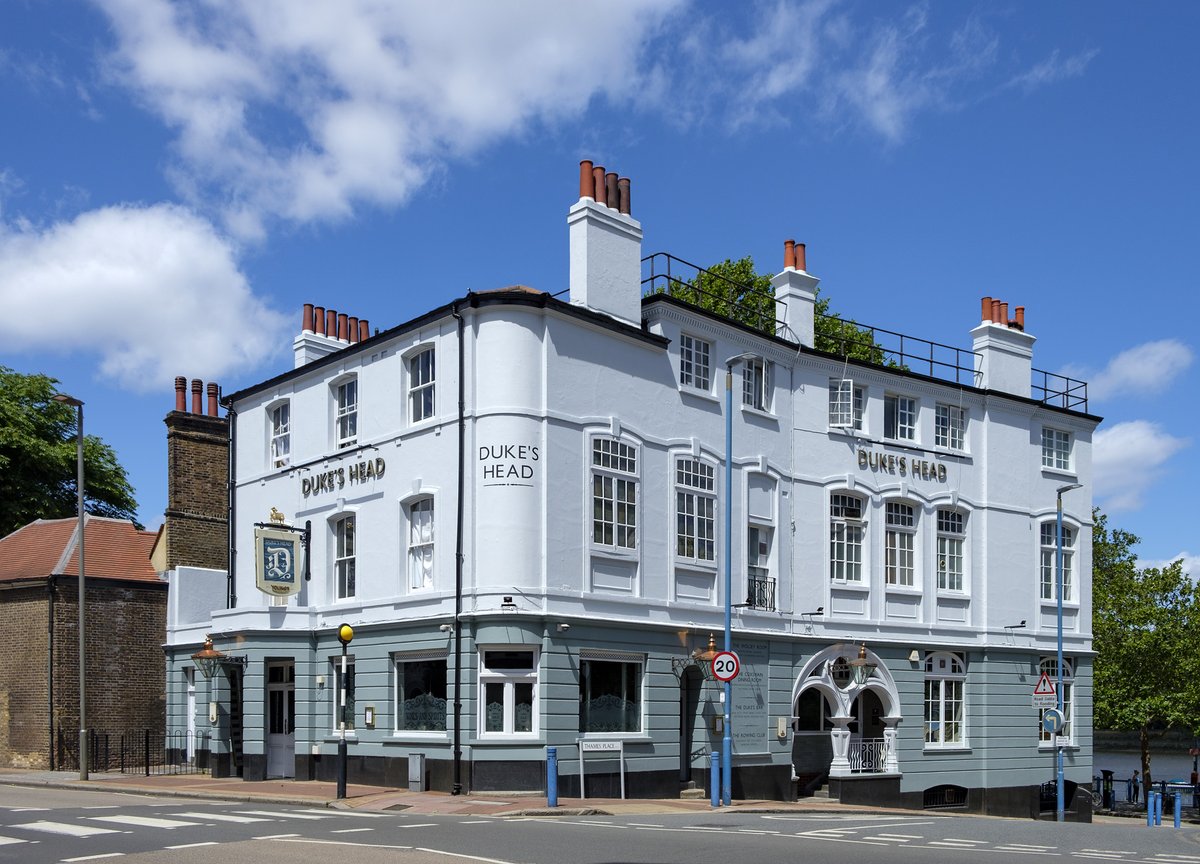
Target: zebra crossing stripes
point(145, 821)
point(221, 817)
point(65, 828)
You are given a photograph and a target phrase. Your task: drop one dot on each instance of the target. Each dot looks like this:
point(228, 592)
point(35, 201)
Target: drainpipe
point(458, 557)
point(231, 564)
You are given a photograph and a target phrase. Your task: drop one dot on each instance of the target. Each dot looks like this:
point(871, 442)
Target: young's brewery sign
point(279, 556)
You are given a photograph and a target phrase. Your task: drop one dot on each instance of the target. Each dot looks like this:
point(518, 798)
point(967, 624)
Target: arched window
point(951, 539)
point(1049, 561)
point(280, 434)
point(614, 493)
point(900, 544)
point(420, 542)
point(1049, 668)
point(945, 720)
point(695, 509)
point(846, 530)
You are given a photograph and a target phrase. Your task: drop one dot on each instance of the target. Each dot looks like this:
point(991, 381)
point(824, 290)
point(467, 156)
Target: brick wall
point(126, 669)
point(24, 694)
point(197, 512)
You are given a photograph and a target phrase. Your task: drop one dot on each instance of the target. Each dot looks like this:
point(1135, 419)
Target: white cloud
point(1144, 370)
point(370, 96)
point(1127, 458)
point(1191, 563)
point(1053, 69)
point(153, 292)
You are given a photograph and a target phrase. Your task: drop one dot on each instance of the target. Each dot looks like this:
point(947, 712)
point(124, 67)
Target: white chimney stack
point(606, 247)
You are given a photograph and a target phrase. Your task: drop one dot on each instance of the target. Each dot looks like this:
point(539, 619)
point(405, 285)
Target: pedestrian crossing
point(89, 824)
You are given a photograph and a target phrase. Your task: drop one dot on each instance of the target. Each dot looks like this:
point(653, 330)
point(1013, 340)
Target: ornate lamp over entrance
point(861, 667)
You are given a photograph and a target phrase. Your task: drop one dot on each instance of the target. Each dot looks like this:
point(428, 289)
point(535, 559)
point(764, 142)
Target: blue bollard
point(714, 778)
point(1178, 808)
point(1158, 796)
point(551, 776)
point(1149, 808)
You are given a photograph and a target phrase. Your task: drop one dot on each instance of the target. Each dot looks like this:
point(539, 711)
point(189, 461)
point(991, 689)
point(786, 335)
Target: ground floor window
point(945, 676)
point(610, 695)
point(508, 691)
point(420, 694)
point(1049, 667)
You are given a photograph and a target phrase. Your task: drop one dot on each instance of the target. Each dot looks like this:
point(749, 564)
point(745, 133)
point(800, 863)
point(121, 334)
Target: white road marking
point(145, 821)
point(360, 814)
point(65, 828)
point(277, 815)
point(100, 807)
point(8, 841)
point(1108, 851)
point(479, 822)
point(350, 830)
point(191, 845)
point(957, 844)
point(414, 825)
point(222, 817)
point(1033, 846)
point(636, 824)
point(28, 809)
point(903, 836)
point(888, 837)
point(94, 857)
point(272, 836)
point(1102, 856)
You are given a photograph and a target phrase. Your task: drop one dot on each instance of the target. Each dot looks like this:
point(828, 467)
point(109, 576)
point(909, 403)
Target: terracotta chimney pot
point(319, 320)
point(1020, 310)
point(1004, 314)
point(598, 191)
point(623, 195)
point(353, 323)
point(587, 186)
point(995, 310)
point(306, 320)
point(985, 313)
point(801, 258)
point(197, 389)
point(331, 323)
point(789, 254)
point(212, 399)
point(610, 189)
point(364, 330)
point(180, 394)
point(342, 327)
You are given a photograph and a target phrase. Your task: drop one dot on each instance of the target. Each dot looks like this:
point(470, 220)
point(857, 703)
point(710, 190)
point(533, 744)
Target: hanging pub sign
point(280, 557)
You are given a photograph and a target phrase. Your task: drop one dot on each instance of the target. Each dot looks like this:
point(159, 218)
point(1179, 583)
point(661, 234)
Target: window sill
point(946, 594)
point(951, 451)
point(1062, 473)
point(706, 395)
point(614, 554)
point(903, 589)
point(1052, 604)
point(759, 412)
point(695, 564)
point(950, 748)
point(623, 737)
point(334, 737)
point(842, 585)
point(900, 442)
point(405, 736)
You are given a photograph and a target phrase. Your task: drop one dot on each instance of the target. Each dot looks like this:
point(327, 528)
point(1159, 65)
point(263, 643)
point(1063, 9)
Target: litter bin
point(416, 772)
point(1106, 790)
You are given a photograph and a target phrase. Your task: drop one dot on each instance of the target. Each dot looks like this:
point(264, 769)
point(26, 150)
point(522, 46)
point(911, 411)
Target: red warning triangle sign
point(1044, 687)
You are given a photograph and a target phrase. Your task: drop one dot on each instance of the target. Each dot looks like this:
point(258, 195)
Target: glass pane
point(523, 707)
point(493, 712)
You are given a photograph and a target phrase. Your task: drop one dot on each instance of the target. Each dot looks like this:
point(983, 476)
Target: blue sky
point(177, 179)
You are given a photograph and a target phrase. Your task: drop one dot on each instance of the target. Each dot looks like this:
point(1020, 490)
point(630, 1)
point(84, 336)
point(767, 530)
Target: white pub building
point(518, 503)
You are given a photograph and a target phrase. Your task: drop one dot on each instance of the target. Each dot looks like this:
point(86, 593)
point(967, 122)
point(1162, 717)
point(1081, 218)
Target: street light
point(727, 740)
point(64, 399)
point(1061, 812)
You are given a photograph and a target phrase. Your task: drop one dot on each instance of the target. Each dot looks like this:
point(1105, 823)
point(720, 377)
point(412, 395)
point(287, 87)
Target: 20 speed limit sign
point(726, 665)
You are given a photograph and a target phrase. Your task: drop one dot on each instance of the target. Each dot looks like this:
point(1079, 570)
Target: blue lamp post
point(727, 741)
point(77, 404)
point(1061, 810)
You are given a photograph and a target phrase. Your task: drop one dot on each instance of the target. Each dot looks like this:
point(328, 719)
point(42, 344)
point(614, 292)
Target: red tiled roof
point(115, 549)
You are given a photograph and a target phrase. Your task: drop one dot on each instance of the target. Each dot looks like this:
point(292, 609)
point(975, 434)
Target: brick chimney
point(796, 290)
point(195, 524)
point(606, 246)
point(1005, 350)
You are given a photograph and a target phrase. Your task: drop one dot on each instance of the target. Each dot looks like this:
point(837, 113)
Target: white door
point(281, 715)
point(189, 675)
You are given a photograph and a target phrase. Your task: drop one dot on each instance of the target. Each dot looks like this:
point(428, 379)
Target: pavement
point(318, 793)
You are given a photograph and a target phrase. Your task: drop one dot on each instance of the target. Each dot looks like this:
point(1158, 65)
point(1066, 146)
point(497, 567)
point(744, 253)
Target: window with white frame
point(951, 538)
point(900, 543)
point(336, 677)
point(614, 493)
point(281, 435)
point(756, 384)
point(950, 427)
point(846, 527)
point(345, 542)
point(1056, 449)
point(846, 404)
point(508, 691)
point(420, 693)
point(695, 509)
point(900, 417)
point(945, 723)
point(346, 414)
point(760, 537)
point(1049, 561)
point(1049, 667)
point(695, 368)
point(421, 385)
point(610, 694)
point(420, 543)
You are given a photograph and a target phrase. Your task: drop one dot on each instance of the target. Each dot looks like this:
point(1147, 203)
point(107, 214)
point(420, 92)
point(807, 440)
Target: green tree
point(1144, 625)
point(38, 458)
point(735, 290)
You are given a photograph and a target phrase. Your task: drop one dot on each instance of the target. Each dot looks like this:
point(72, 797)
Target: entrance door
point(281, 716)
point(689, 703)
point(189, 677)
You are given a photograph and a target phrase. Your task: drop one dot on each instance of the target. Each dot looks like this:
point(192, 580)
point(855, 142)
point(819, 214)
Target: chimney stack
point(195, 522)
point(1005, 361)
point(796, 293)
point(606, 246)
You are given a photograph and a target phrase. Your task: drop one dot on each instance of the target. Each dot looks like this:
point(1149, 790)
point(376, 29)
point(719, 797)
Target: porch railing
point(868, 756)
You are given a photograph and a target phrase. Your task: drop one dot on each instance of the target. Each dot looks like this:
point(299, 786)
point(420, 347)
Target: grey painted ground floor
point(925, 726)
